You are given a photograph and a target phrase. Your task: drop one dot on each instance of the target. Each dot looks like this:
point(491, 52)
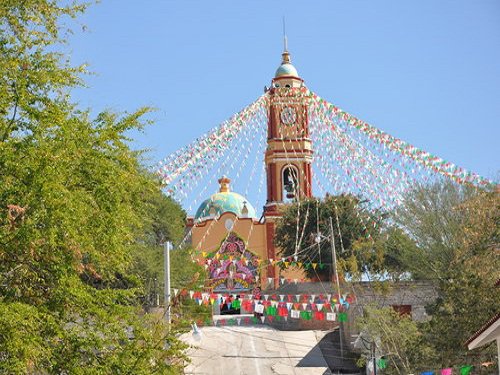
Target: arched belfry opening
point(290, 183)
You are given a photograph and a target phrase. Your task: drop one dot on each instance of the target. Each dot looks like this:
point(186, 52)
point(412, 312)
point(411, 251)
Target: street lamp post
point(167, 246)
point(334, 260)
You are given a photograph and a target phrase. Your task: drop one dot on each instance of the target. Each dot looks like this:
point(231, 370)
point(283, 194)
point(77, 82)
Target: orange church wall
point(248, 229)
point(208, 236)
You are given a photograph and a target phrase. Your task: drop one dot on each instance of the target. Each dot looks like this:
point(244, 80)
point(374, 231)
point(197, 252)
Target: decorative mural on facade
point(232, 267)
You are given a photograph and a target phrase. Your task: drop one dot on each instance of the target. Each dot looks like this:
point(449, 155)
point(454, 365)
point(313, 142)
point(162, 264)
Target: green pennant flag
point(465, 370)
point(342, 317)
point(271, 310)
point(382, 363)
point(306, 315)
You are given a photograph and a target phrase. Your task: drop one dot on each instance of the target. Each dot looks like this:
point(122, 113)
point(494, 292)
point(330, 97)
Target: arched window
point(290, 180)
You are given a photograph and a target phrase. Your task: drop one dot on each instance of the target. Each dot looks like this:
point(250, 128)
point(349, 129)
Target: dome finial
point(224, 184)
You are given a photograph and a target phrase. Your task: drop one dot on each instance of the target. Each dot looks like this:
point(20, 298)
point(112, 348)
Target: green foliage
point(187, 275)
point(397, 338)
point(455, 241)
point(76, 207)
point(301, 221)
point(430, 216)
point(468, 295)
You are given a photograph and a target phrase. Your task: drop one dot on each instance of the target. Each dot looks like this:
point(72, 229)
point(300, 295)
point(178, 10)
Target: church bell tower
point(288, 156)
point(289, 150)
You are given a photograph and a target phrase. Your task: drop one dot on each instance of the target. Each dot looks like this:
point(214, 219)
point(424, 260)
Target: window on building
point(402, 310)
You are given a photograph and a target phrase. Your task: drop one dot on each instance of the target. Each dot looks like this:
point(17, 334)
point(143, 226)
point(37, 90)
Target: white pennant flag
point(282, 297)
point(269, 280)
point(329, 297)
point(238, 320)
point(297, 296)
point(295, 281)
point(319, 306)
point(243, 276)
point(289, 305)
point(304, 305)
point(191, 293)
point(313, 297)
point(330, 316)
point(282, 280)
point(262, 318)
point(266, 296)
point(259, 309)
point(176, 291)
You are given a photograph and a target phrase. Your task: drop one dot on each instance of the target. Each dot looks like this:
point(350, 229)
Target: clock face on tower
point(288, 116)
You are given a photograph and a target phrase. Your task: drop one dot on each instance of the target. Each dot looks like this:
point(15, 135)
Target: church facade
point(236, 246)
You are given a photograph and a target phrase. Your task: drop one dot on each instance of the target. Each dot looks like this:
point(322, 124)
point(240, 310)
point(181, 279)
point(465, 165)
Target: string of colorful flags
point(352, 155)
point(270, 307)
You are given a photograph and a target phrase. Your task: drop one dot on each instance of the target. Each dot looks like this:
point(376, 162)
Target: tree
point(397, 339)
point(455, 230)
point(74, 207)
point(354, 231)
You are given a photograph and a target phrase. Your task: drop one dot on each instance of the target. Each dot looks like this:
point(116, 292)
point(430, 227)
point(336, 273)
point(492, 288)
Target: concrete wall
point(417, 294)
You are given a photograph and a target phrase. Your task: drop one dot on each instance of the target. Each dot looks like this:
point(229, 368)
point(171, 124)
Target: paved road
point(255, 350)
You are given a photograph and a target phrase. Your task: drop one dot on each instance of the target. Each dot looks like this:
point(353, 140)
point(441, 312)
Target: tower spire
point(285, 56)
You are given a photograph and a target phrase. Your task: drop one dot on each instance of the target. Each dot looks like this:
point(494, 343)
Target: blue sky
point(425, 71)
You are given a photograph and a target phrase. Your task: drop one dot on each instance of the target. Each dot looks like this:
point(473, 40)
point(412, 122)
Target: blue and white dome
point(286, 69)
point(225, 201)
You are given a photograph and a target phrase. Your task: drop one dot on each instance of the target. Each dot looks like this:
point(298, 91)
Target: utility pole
point(374, 357)
point(334, 262)
point(167, 246)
